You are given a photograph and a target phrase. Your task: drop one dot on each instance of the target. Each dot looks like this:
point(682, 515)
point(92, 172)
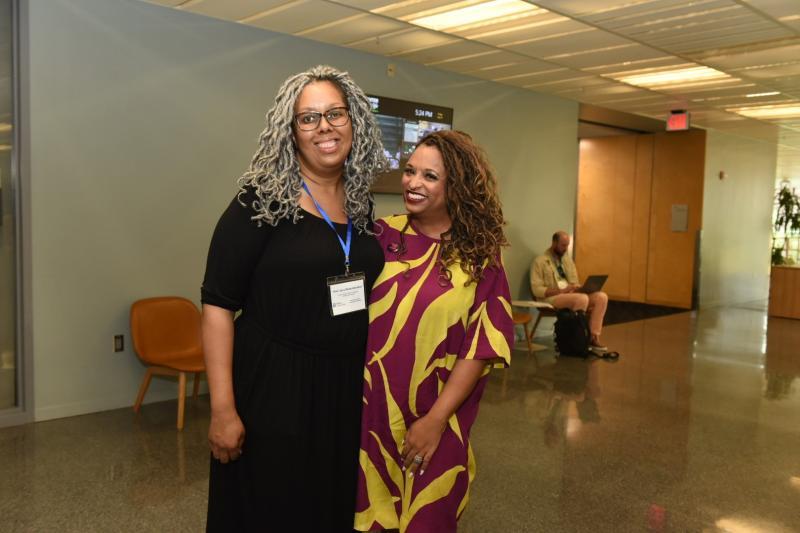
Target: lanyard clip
point(347, 267)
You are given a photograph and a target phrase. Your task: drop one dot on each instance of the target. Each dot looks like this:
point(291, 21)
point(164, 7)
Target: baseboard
point(96, 405)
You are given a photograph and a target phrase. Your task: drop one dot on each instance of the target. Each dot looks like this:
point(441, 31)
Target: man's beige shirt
point(544, 274)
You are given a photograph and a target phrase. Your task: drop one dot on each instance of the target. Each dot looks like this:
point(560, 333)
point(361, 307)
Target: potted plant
point(787, 223)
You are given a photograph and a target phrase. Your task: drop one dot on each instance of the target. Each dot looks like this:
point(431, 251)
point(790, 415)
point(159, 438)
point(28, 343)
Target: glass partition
point(9, 358)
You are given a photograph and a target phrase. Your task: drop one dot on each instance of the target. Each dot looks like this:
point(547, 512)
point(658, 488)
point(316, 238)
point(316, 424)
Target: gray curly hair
point(274, 173)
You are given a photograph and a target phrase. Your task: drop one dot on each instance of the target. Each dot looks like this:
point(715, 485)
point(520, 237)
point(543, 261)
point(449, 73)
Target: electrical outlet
point(119, 343)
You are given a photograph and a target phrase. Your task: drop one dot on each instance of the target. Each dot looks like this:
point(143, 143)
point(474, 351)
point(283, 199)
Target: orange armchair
point(166, 337)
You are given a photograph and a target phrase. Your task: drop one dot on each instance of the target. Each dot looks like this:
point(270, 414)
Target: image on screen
point(402, 125)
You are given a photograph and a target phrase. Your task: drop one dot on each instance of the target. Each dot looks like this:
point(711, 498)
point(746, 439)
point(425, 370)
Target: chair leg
point(196, 390)
point(528, 337)
point(181, 397)
point(536, 324)
point(143, 389)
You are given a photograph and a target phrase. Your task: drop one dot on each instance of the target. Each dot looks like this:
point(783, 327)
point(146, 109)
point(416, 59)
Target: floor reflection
point(695, 428)
point(683, 433)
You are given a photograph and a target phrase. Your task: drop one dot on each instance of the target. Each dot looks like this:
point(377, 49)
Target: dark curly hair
point(476, 235)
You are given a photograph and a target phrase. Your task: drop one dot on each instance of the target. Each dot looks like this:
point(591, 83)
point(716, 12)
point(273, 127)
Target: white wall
point(142, 118)
point(737, 215)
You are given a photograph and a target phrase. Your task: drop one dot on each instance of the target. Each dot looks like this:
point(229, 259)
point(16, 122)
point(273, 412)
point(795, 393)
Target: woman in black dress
point(295, 254)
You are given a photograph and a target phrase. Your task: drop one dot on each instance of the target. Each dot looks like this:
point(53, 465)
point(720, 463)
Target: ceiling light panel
point(760, 95)
point(769, 112)
point(665, 79)
point(460, 16)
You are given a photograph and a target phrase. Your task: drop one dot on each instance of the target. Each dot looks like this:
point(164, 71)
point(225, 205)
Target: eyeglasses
point(309, 120)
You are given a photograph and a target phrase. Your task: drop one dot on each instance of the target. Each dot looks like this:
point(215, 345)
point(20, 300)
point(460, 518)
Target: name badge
point(347, 294)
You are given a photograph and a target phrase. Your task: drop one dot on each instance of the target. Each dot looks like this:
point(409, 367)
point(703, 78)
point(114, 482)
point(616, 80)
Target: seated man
point(554, 279)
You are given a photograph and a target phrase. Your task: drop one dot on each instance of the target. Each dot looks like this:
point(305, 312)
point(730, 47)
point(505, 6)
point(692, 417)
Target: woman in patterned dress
point(440, 316)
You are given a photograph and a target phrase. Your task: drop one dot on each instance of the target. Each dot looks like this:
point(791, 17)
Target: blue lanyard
point(345, 245)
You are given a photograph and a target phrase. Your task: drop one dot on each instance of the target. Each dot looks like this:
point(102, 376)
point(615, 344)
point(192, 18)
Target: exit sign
point(678, 121)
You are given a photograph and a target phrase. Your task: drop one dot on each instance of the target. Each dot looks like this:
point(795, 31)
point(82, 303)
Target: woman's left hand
point(421, 440)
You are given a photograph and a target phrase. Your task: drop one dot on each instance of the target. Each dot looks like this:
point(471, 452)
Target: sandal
point(612, 356)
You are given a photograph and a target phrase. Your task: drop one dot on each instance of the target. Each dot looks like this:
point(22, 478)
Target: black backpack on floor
point(572, 334)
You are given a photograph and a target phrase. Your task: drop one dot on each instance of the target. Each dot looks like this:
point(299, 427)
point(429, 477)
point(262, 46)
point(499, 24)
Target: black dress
point(297, 373)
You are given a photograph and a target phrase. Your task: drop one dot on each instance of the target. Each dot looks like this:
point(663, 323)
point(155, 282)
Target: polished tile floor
point(695, 429)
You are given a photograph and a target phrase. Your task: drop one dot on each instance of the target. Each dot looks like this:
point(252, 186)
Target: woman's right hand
point(226, 436)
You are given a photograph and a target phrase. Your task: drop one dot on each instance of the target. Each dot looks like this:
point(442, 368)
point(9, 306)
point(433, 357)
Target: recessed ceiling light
point(664, 79)
point(756, 95)
point(768, 111)
point(461, 15)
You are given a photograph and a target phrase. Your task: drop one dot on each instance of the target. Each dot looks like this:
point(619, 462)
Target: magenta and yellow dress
point(420, 325)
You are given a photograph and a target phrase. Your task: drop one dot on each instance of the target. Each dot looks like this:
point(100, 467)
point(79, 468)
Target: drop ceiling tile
point(410, 9)
point(403, 41)
point(456, 49)
point(696, 28)
point(770, 56)
point(524, 33)
point(541, 77)
point(663, 62)
point(741, 39)
point(673, 18)
point(776, 8)
point(529, 24)
point(568, 44)
point(168, 3)
point(785, 70)
point(567, 83)
point(231, 9)
point(588, 59)
point(366, 5)
point(491, 61)
point(584, 8)
point(712, 39)
point(301, 15)
point(356, 28)
point(513, 65)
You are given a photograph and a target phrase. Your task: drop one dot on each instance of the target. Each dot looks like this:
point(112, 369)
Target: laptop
point(593, 284)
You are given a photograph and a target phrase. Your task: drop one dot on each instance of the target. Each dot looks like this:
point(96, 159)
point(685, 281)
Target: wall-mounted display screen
point(403, 124)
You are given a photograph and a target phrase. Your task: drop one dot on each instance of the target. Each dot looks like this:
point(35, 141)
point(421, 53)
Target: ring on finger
point(418, 459)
